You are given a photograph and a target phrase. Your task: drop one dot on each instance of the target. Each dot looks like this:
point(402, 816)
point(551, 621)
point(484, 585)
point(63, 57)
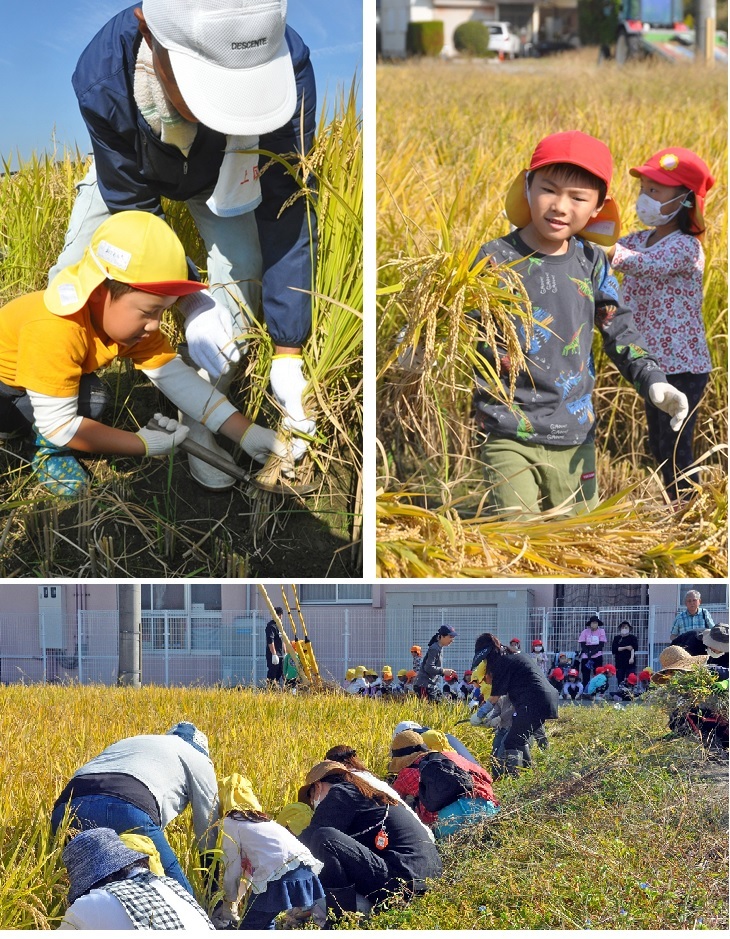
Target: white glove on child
point(210, 332)
point(670, 400)
point(157, 442)
point(275, 659)
point(260, 442)
point(288, 384)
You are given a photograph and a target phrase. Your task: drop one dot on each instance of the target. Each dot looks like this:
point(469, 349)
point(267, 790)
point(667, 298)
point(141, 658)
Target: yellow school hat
point(236, 793)
point(136, 248)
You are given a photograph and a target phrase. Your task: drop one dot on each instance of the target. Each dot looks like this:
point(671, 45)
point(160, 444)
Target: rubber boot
point(526, 756)
point(514, 762)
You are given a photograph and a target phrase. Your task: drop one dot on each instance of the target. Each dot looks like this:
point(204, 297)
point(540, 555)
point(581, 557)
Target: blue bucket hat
point(190, 733)
point(94, 855)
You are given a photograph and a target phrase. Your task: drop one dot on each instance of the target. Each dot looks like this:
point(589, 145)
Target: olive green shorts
point(527, 480)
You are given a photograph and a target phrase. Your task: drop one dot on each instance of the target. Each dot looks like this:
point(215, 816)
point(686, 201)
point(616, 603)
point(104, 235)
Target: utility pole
point(129, 598)
point(705, 22)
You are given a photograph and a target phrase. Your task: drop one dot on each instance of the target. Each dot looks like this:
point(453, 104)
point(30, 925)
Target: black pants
point(347, 862)
point(274, 672)
point(525, 723)
point(623, 670)
point(675, 450)
point(588, 673)
point(16, 411)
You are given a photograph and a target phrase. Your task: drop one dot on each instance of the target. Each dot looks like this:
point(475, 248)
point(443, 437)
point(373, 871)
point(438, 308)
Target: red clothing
point(406, 784)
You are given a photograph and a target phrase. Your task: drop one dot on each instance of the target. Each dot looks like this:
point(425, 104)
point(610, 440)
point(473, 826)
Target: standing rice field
point(148, 518)
point(451, 138)
point(618, 826)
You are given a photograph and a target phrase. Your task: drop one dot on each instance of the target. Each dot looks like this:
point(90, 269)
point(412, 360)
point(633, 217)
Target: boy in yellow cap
point(538, 444)
point(109, 305)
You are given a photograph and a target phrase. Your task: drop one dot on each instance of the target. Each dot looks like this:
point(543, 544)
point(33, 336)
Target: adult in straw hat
point(371, 845)
point(675, 659)
point(177, 96)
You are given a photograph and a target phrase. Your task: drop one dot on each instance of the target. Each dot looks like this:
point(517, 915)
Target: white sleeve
point(232, 867)
point(191, 393)
point(56, 418)
point(96, 910)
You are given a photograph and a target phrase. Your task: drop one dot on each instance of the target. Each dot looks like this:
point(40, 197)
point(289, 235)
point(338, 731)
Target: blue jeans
point(107, 812)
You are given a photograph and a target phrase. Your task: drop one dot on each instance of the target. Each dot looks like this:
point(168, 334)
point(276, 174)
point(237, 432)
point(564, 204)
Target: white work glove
point(670, 400)
point(157, 442)
point(274, 659)
point(210, 332)
point(288, 384)
point(259, 442)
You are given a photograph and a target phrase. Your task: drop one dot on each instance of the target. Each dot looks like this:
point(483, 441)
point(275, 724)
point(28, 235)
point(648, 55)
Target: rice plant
point(451, 138)
point(148, 518)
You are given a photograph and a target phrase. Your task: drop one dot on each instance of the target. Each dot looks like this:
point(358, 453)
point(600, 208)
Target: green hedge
point(472, 38)
point(597, 21)
point(425, 38)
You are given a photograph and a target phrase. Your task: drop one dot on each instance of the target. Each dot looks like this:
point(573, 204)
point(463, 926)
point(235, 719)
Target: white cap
point(230, 60)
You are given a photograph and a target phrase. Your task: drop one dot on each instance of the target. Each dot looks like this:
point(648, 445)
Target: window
point(192, 614)
point(336, 593)
point(713, 595)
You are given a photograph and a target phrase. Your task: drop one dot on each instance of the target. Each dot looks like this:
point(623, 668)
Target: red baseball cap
point(581, 150)
point(573, 673)
point(631, 679)
point(680, 167)
point(558, 674)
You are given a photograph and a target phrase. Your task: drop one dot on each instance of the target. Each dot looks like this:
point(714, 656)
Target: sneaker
point(58, 470)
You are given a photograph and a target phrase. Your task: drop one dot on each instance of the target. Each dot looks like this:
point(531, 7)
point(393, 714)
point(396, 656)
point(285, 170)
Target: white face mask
point(538, 648)
point(624, 632)
point(650, 211)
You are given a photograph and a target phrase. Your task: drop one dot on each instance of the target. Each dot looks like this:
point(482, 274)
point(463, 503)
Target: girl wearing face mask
point(624, 648)
point(591, 642)
point(538, 650)
point(663, 267)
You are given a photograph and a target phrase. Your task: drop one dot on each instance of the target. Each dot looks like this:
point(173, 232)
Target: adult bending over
point(140, 784)
point(533, 697)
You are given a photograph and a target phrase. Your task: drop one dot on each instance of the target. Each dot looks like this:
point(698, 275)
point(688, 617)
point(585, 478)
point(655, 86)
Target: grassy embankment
point(451, 138)
point(616, 827)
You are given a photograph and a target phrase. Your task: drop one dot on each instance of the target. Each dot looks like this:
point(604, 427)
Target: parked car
point(503, 38)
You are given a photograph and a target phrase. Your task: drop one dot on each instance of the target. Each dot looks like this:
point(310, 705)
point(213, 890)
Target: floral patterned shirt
point(662, 286)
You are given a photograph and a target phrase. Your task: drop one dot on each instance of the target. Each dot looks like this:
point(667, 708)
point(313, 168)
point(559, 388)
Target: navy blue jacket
point(135, 169)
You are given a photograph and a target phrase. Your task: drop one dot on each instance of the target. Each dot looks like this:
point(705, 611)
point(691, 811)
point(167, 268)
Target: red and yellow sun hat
point(677, 166)
point(581, 150)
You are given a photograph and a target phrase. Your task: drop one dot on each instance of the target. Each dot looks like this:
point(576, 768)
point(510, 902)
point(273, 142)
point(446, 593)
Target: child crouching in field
point(663, 267)
point(107, 306)
point(539, 451)
point(265, 865)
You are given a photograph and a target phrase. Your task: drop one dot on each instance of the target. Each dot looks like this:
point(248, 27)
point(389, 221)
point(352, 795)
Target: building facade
point(213, 634)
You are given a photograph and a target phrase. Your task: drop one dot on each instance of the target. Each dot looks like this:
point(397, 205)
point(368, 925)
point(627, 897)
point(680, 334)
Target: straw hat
point(676, 659)
point(405, 749)
point(320, 770)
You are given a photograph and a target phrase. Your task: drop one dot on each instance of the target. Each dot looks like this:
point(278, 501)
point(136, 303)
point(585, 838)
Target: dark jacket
point(410, 854)
point(431, 671)
point(135, 169)
point(621, 659)
point(520, 677)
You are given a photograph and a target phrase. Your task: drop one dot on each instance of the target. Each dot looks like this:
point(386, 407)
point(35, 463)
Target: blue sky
point(42, 39)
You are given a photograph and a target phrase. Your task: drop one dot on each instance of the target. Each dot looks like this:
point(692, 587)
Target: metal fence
point(228, 647)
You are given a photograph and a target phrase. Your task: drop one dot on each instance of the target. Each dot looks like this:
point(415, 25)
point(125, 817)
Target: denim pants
point(234, 253)
point(103, 811)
